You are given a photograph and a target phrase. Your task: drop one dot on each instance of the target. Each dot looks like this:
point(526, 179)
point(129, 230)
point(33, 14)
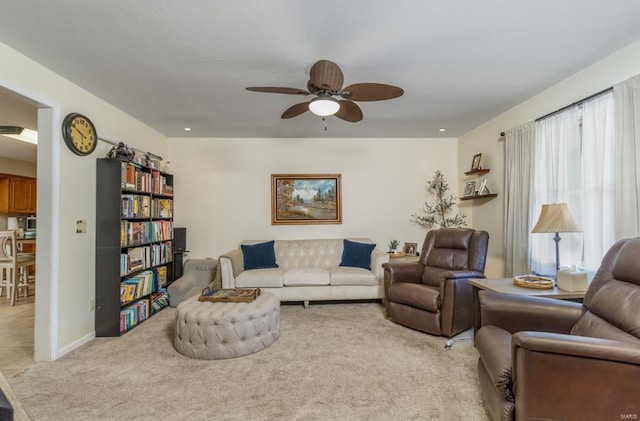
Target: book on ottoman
point(237, 295)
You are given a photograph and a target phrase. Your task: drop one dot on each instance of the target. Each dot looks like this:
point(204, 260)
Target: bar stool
point(14, 273)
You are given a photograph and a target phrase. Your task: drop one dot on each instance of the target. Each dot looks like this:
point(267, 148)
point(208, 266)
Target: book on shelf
point(128, 180)
point(138, 258)
point(161, 184)
point(136, 206)
point(127, 293)
point(161, 253)
point(134, 177)
point(133, 314)
point(138, 233)
point(124, 264)
point(236, 295)
point(160, 277)
point(133, 233)
point(161, 230)
point(142, 282)
point(162, 208)
point(159, 300)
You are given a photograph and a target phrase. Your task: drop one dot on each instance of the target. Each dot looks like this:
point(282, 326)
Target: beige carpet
point(332, 362)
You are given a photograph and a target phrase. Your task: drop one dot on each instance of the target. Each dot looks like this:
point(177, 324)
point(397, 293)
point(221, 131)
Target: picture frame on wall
point(469, 188)
point(306, 199)
point(476, 163)
point(410, 249)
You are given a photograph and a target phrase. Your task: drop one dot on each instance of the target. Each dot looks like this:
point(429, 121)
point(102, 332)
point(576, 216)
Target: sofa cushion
point(424, 297)
point(305, 276)
point(352, 276)
point(260, 278)
point(356, 254)
point(321, 253)
point(259, 256)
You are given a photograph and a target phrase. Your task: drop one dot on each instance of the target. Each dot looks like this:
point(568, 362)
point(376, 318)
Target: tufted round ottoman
point(215, 331)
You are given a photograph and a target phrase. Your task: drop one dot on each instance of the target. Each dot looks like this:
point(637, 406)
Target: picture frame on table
point(410, 249)
point(469, 188)
point(306, 199)
point(476, 163)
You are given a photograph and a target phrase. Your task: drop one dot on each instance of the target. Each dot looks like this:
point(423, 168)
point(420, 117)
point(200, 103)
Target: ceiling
point(16, 110)
point(174, 64)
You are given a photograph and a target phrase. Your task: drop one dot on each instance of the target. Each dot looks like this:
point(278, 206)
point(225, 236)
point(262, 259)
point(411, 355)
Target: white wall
point(66, 193)
point(223, 187)
point(17, 167)
point(485, 138)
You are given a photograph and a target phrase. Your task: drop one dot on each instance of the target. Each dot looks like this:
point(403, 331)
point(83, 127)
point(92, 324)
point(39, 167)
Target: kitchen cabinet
point(17, 194)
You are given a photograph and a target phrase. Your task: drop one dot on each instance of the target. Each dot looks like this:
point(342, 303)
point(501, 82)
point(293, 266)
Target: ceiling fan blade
point(371, 92)
point(296, 110)
point(326, 75)
point(349, 111)
point(276, 90)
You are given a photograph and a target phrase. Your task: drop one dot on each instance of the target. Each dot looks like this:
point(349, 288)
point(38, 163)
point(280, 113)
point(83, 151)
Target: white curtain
point(557, 179)
point(598, 178)
point(519, 156)
point(627, 108)
point(575, 156)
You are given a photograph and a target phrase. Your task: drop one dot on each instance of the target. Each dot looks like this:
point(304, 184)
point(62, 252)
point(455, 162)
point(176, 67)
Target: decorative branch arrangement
point(437, 214)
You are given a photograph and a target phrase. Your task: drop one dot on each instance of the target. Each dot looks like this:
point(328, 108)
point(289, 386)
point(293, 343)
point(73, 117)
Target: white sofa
point(308, 270)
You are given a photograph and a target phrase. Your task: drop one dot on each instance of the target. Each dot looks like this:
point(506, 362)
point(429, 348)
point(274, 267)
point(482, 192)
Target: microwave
point(30, 223)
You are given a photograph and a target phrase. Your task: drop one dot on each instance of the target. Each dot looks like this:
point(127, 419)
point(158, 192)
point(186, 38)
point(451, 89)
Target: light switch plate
point(81, 226)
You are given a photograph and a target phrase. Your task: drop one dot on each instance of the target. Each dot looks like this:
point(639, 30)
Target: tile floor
point(16, 335)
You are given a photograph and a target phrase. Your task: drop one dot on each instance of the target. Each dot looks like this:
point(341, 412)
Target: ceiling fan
point(325, 82)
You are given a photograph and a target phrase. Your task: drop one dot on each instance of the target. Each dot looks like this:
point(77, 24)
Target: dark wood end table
point(506, 285)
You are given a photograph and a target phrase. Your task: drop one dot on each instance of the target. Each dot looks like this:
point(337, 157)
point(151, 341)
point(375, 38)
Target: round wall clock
point(79, 134)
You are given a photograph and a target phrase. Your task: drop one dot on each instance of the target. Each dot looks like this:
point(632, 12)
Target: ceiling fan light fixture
point(324, 106)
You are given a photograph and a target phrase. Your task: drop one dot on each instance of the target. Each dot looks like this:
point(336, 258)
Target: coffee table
point(506, 285)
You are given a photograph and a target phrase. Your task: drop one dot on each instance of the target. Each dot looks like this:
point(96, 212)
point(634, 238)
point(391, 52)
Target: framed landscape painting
point(306, 199)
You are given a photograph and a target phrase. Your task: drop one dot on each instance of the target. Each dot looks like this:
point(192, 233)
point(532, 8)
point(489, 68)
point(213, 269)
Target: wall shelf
point(480, 196)
point(481, 171)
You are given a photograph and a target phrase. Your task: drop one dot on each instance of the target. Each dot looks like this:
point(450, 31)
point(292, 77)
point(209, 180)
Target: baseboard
point(76, 344)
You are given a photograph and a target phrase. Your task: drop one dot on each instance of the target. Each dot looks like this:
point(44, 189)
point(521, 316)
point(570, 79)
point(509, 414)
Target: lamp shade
point(556, 217)
point(324, 106)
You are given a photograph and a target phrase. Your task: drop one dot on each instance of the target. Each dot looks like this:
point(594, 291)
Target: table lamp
point(557, 218)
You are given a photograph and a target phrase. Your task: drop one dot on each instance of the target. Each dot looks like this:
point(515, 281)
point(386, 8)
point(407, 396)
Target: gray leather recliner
point(197, 275)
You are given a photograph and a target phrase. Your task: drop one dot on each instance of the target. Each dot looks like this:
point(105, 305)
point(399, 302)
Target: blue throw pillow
point(259, 256)
point(357, 255)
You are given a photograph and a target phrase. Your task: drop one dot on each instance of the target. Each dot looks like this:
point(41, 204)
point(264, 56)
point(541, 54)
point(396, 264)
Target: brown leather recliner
point(545, 359)
point(433, 295)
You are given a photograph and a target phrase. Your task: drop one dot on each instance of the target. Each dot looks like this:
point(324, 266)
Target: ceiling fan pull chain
point(324, 120)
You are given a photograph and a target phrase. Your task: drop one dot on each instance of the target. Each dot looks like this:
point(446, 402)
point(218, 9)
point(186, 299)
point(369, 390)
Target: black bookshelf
point(113, 218)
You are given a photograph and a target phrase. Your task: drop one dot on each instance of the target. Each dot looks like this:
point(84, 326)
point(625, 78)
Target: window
point(574, 164)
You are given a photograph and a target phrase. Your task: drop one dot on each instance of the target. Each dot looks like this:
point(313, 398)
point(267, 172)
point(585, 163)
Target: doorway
point(26, 329)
